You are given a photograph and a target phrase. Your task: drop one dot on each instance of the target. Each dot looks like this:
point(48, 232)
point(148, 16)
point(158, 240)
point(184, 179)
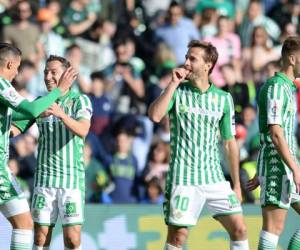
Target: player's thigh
point(234, 225)
point(21, 221)
point(221, 199)
point(183, 205)
point(273, 219)
point(71, 206)
point(44, 207)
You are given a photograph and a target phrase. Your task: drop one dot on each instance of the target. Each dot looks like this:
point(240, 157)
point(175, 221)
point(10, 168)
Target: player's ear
point(292, 59)
point(9, 64)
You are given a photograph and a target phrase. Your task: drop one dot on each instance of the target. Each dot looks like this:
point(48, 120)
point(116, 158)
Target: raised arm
point(161, 105)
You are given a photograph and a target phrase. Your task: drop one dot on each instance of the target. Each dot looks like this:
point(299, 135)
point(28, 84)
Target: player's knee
point(24, 223)
point(72, 239)
point(178, 237)
point(40, 238)
point(239, 232)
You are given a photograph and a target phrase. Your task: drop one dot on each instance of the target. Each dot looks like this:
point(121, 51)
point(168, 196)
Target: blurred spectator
point(57, 24)
point(228, 45)
point(101, 103)
point(83, 81)
point(96, 178)
point(255, 17)
point(154, 192)
point(239, 91)
point(26, 72)
point(158, 164)
point(52, 42)
point(23, 30)
point(164, 57)
point(208, 22)
point(177, 31)
point(96, 45)
point(78, 17)
point(256, 57)
point(123, 170)
point(153, 6)
point(24, 149)
point(126, 85)
point(224, 7)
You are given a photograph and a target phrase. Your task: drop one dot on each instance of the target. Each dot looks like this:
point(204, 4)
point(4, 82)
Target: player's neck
point(289, 72)
point(201, 83)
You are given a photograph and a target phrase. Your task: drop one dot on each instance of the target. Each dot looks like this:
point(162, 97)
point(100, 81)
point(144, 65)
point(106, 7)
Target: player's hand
point(178, 75)
point(296, 175)
point(46, 113)
point(55, 110)
point(67, 78)
point(253, 183)
point(238, 193)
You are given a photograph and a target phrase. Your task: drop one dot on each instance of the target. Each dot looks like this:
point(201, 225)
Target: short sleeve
point(9, 95)
point(275, 104)
point(227, 122)
point(84, 108)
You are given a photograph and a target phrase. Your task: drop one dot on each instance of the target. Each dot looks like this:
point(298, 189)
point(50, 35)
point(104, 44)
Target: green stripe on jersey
point(60, 152)
point(195, 119)
point(277, 105)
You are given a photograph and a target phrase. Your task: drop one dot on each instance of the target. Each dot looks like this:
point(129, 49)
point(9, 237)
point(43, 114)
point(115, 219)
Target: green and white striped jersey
point(195, 121)
point(9, 98)
point(277, 105)
point(60, 152)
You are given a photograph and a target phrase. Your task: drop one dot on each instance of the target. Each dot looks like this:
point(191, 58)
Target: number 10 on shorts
point(181, 202)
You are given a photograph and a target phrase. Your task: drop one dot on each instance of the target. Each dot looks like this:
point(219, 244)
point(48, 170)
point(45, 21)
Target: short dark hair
point(97, 75)
point(290, 45)
point(7, 50)
point(65, 63)
point(211, 54)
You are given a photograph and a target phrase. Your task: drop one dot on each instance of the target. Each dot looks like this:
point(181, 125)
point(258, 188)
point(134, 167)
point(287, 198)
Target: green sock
point(267, 241)
point(295, 241)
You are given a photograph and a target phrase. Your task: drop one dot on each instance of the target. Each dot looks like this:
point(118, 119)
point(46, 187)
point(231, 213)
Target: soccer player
point(277, 167)
point(197, 110)
point(13, 204)
point(59, 178)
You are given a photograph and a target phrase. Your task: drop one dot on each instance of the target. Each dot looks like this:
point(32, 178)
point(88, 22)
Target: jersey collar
point(210, 89)
point(284, 77)
point(62, 98)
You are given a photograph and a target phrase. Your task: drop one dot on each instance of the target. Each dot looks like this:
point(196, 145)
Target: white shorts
point(12, 199)
point(47, 203)
point(183, 205)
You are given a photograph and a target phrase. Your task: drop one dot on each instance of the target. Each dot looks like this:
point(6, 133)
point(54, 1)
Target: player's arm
point(165, 101)
point(233, 156)
point(81, 124)
point(11, 98)
point(227, 130)
point(275, 104)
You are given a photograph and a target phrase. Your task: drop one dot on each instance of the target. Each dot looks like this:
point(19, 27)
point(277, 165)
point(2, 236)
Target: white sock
point(35, 247)
point(78, 248)
point(170, 247)
point(239, 245)
point(267, 240)
point(21, 239)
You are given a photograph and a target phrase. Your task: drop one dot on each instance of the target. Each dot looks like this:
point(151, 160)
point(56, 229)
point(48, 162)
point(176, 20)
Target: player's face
point(14, 64)
point(195, 63)
point(52, 74)
point(297, 64)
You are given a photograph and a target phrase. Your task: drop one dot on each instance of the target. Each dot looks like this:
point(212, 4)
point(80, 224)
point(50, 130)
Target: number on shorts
point(181, 203)
point(39, 201)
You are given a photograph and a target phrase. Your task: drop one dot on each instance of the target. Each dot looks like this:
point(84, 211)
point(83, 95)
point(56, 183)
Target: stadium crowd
point(124, 51)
